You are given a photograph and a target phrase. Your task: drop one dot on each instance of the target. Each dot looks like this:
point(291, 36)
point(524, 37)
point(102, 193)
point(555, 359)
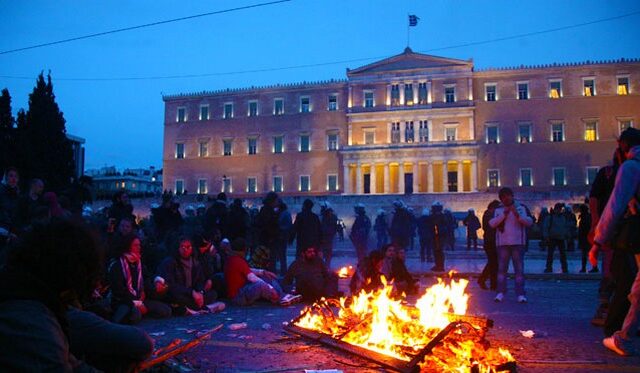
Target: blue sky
point(122, 120)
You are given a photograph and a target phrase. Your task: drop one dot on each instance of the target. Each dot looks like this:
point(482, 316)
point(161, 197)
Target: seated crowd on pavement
point(81, 278)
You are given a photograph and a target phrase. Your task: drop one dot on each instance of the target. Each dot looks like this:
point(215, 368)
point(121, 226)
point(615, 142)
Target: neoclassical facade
point(412, 123)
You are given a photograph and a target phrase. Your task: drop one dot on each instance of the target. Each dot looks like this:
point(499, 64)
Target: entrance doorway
point(408, 183)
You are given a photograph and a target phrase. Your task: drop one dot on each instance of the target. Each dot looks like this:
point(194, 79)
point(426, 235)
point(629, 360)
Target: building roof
point(409, 60)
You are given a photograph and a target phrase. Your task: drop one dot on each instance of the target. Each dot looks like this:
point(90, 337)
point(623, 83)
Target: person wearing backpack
point(555, 232)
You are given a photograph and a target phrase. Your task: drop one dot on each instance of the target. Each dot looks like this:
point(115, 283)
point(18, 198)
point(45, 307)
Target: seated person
point(368, 276)
point(389, 252)
point(403, 281)
point(184, 278)
point(313, 280)
point(246, 285)
point(207, 255)
point(128, 299)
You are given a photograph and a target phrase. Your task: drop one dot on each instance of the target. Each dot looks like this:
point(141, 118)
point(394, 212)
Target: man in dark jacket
point(267, 226)
point(216, 219)
point(360, 232)
point(9, 195)
point(425, 233)
point(329, 227)
point(555, 231)
point(401, 226)
point(438, 225)
point(312, 277)
point(237, 221)
point(490, 270)
point(381, 228)
point(121, 208)
point(29, 203)
point(472, 223)
point(306, 228)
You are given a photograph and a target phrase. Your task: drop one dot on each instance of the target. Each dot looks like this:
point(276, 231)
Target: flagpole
point(408, 29)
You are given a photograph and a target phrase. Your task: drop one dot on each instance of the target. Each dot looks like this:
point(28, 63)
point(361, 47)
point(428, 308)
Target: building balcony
point(390, 108)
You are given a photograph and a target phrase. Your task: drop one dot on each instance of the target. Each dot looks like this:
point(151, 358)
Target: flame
point(345, 272)
point(382, 322)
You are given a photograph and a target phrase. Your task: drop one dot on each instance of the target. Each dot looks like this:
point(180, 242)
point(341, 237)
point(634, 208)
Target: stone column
point(349, 134)
point(389, 132)
point(414, 85)
point(350, 97)
point(401, 178)
point(474, 176)
point(387, 183)
point(472, 129)
point(372, 178)
point(388, 98)
point(401, 87)
point(403, 130)
point(430, 177)
point(429, 93)
point(460, 177)
point(359, 189)
point(470, 88)
point(346, 179)
point(445, 177)
point(416, 180)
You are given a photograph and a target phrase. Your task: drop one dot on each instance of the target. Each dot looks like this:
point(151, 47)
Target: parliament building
point(411, 123)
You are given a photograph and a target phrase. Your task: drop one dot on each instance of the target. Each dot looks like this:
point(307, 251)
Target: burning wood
point(434, 335)
point(346, 272)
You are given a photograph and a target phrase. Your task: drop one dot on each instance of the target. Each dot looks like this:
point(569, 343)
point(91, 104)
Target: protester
point(490, 270)
point(285, 226)
point(311, 277)
point(29, 203)
point(268, 226)
point(329, 225)
point(216, 217)
point(167, 219)
point(121, 207)
point(556, 233)
point(211, 263)
point(472, 223)
point(368, 276)
point(381, 228)
point(402, 279)
point(360, 232)
point(425, 235)
point(9, 197)
point(438, 225)
point(572, 226)
point(584, 225)
point(238, 221)
point(510, 221)
point(307, 230)
point(389, 253)
point(401, 225)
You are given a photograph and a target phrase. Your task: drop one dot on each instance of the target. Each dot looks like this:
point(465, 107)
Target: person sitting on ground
point(207, 255)
point(368, 276)
point(247, 285)
point(389, 252)
point(312, 278)
point(128, 299)
point(403, 280)
point(185, 279)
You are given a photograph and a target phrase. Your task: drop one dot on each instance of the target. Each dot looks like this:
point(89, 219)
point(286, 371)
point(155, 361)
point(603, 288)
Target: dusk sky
point(122, 118)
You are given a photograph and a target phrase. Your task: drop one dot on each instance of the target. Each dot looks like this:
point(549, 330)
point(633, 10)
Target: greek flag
point(413, 20)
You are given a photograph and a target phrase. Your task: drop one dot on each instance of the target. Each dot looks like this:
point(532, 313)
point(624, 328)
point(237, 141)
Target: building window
point(203, 149)
point(179, 151)
point(278, 144)
point(523, 90)
point(623, 85)
point(305, 183)
point(202, 186)
point(278, 106)
point(227, 146)
point(524, 133)
point(370, 136)
point(422, 93)
point(253, 109)
point(332, 183)
point(493, 178)
point(408, 132)
point(624, 124)
point(333, 102)
point(492, 136)
point(252, 143)
point(228, 111)
point(557, 132)
point(395, 132)
point(450, 133)
point(424, 131)
point(449, 94)
point(525, 177)
point(591, 131)
point(277, 184)
point(305, 105)
point(589, 87)
point(591, 173)
point(181, 115)
point(408, 94)
point(227, 186)
point(179, 186)
point(204, 112)
point(368, 99)
point(332, 141)
point(555, 88)
point(252, 185)
point(304, 143)
point(395, 95)
point(490, 92)
point(559, 178)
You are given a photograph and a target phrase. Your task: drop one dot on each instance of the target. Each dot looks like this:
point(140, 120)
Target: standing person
point(381, 228)
point(121, 207)
point(285, 225)
point(623, 203)
point(425, 234)
point(216, 219)
point(544, 215)
point(452, 225)
point(401, 225)
point(555, 232)
point(267, 226)
point(341, 228)
point(360, 232)
point(572, 224)
point(9, 196)
point(329, 224)
point(490, 270)
point(510, 221)
point(438, 225)
point(29, 203)
point(472, 223)
point(306, 228)
point(237, 221)
point(584, 225)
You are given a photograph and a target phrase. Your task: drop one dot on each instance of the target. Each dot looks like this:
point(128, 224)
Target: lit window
point(332, 141)
point(253, 109)
point(424, 131)
point(449, 94)
point(202, 186)
point(277, 183)
point(204, 112)
point(181, 115)
point(525, 177)
point(368, 99)
point(450, 133)
point(179, 150)
point(591, 131)
point(559, 178)
point(179, 186)
point(227, 186)
point(492, 136)
point(408, 94)
point(589, 87)
point(332, 183)
point(304, 143)
point(591, 173)
point(227, 146)
point(524, 133)
point(395, 95)
point(228, 111)
point(523, 91)
point(333, 103)
point(493, 178)
point(278, 106)
point(490, 92)
point(252, 143)
point(305, 105)
point(395, 132)
point(408, 132)
point(203, 149)
point(422, 93)
point(557, 132)
point(370, 137)
point(624, 124)
point(555, 88)
point(252, 185)
point(305, 183)
point(278, 144)
point(623, 85)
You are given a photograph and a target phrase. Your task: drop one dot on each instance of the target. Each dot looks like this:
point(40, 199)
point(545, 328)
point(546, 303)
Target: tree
point(7, 132)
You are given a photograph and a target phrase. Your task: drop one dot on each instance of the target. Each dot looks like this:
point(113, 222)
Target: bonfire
point(434, 334)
